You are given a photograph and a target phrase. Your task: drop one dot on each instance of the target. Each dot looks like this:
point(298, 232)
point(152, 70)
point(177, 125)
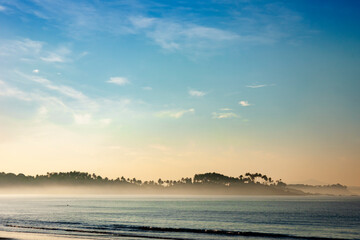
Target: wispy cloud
point(118, 81)
point(268, 23)
point(64, 90)
point(36, 71)
point(9, 91)
point(196, 93)
point(62, 104)
point(79, 19)
point(245, 23)
point(52, 58)
point(46, 102)
point(210, 33)
point(66, 94)
point(43, 111)
point(244, 103)
point(257, 86)
point(147, 88)
point(82, 119)
point(177, 36)
point(141, 22)
point(24, 47)
point(174, 113)
point(224, 115)
point(57, 56)
point(2, 8)
point(27, 49)
point(225, 109)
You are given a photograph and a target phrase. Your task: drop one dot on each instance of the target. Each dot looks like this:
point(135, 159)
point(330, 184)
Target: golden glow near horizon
point(168, 95)
point(48, 148)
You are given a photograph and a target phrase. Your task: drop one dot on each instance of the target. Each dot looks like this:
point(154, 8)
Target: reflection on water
point(183, 217)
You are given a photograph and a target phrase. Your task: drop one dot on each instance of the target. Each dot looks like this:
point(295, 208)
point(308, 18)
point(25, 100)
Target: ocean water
point(183, 217)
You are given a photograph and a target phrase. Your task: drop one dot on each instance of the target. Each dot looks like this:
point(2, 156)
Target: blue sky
point(181, 87)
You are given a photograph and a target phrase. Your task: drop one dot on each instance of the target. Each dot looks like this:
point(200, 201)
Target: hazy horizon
point(158, 89)
point(311, 181)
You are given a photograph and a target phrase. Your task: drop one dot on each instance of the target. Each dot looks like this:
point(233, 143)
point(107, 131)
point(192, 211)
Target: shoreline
point(12, 235)
point(162, 195)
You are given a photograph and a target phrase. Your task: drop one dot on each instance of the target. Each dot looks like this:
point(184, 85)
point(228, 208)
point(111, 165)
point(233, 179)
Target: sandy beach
point(35, 236)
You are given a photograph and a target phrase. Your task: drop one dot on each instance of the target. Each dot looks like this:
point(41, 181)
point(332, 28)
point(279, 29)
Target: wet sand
point(42, 236)
point(36, 236)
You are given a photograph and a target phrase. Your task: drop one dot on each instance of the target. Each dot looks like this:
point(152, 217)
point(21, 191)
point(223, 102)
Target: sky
point(151, 89)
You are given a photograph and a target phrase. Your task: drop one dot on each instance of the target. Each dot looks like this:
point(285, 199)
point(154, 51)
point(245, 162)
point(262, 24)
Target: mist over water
point(180, 217)
point(202, 184)
point(179, 120)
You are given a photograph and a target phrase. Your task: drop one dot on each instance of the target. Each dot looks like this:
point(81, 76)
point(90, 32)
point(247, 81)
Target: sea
point(182, 217)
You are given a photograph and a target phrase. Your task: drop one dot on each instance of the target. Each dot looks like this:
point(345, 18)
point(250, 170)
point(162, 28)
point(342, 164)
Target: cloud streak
point(27, 49)
point(196, 93)
point(121, 81)
point(9, 91)
point(174, 114)
point(244, 103)
point(224, 115)
point(176, 36)
point(23, 47)
point(80, 19)
point(62, 89)
point(69, 105)
point(245, 23)
point(82, 119)
point(257, 86)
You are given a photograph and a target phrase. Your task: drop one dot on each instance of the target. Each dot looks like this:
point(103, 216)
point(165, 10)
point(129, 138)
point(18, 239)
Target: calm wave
point(185, 218)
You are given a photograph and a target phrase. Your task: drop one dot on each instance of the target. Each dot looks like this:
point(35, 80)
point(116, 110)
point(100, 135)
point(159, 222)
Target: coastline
point(175, 217)
point(7, 235)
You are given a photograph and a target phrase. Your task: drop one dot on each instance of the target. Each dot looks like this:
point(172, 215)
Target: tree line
point(84, 178)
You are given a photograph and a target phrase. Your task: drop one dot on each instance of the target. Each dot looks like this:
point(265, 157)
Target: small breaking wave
point(110, 230)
